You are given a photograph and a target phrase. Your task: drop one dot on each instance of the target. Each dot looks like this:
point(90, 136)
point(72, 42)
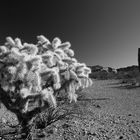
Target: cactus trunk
point(139, 58)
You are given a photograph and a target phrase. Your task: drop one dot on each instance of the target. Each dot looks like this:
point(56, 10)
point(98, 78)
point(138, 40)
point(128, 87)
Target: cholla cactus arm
point(29, 49)
point(66, 75)
point(48, 59)
point(47, 95)
point(3, 50)
point(73, 75)
point(69, 52)
point(56, 42)
point(10, 41)
point(71, 88)
point(64, 46)
point(69, 60)
point(18, 43)
point(43, 40)
point(61, 53)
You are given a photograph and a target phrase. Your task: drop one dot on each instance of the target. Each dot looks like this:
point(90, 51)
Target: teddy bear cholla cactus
point(29, 71)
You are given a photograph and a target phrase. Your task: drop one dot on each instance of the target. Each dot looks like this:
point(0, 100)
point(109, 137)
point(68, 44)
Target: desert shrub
point(129, 75)
point(100, 75)
point(128, 72)
point(32, 76)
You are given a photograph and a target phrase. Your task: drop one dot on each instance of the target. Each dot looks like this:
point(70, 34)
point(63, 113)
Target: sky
point(101, 32)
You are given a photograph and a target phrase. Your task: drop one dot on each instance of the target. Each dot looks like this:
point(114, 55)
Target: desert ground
point(109, 110)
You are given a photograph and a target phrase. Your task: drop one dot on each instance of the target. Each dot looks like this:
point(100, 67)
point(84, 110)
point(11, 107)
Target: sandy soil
point(116, 98)
point(106, 111)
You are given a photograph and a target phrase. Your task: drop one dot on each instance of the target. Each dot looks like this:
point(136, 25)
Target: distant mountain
point(98, 68)
point(129, 68)
point(100, 72)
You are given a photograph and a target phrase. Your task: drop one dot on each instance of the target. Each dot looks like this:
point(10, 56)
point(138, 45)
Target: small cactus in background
point(35, 72)
point(139, 58)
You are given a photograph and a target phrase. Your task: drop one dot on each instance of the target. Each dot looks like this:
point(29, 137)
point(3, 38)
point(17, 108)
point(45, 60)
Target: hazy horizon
point(102, 32)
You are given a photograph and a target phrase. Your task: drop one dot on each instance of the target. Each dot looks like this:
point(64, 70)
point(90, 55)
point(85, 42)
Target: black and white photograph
point(70, 70)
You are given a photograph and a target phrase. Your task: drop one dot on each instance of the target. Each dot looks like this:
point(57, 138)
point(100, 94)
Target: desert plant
point(35, 74)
